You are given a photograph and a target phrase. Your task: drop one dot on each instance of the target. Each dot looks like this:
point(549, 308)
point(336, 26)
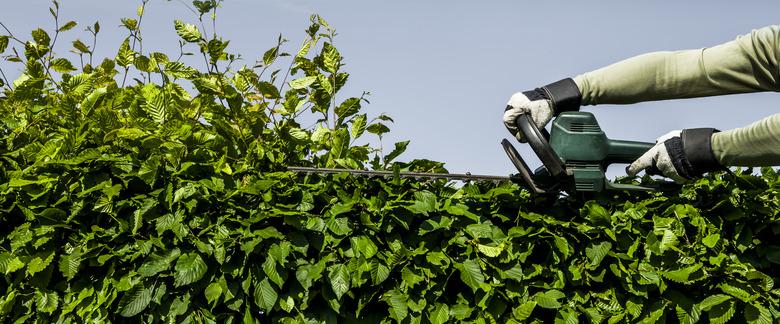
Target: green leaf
point(549, 299)
point(597, 214)
point(364, 245)
point(155, 103)
point(3, 43)
point(681, 275)
point(70, 263)
point(655, 311)
point(735, 291)
point(188, 32)
point(712, 301)
point(92, 101)
point(711, 240)
point(757, 314)
point(424, 202)
point(304, 49)
point(331, 58)
point(9, 263)
point(212, 292)
point(135, 300)
point(348, 108)
point(204, 7)
point(47, 302)
point(68, 26)
point(440, 314)
point(471, 274)
point(514, 273)
point(325, 83)
point(148, 170)
point(269, 268)
point(379, 272)
point(41, 37)
point(157, 263)
point(597, 252)
point(490, 251)
point(124, 57)
point(270, 56)
point(303, 83)
point(400, 148)
point(409, 278)
point(668, 239)
point(287, 304)
point(299, 134)
point(722, 313)
point(397, 302)
point(524, 311)
point(265, 295)
point(562, 245)
point(378, 129)
point(62, 65)
point(339, 279)
point(633, 308)
point(39, 262)
point(130, 24)
point(566, 316)
point(190, 268)
point(81, 47)
point(180, 305)
point(358, 126)
point(179, 70)
point(268, 90)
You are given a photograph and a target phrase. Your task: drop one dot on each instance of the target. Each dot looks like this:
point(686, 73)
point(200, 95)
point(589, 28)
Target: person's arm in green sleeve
point(746, 64)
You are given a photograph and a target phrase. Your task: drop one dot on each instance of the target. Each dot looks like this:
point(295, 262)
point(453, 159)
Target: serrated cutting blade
point(449, 176)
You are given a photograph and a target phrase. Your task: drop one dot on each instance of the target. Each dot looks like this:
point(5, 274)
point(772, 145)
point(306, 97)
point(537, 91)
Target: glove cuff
point(697, 144)
point(564, 94)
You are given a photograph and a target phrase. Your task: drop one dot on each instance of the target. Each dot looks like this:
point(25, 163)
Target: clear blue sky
point(445, 69)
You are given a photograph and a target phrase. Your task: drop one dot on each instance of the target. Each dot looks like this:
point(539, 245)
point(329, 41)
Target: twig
point(51, 47)
point(10, 34)
point(5, 80)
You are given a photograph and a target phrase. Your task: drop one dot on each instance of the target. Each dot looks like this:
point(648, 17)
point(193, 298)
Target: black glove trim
point(697, 144)
point(564, 94)
point(536, 94)
point(674, 147)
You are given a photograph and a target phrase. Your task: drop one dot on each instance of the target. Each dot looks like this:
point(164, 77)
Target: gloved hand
point(542, 104)
point(680, 155)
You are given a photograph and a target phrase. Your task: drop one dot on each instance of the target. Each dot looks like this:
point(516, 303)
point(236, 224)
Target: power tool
point(575, 155)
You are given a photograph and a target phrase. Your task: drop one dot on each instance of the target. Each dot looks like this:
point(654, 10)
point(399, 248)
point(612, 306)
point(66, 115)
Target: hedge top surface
point(141, 188)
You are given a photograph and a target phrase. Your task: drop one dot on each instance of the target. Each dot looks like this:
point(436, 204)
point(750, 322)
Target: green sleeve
point(746, 64)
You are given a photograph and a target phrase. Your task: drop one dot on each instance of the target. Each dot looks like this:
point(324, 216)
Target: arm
point(747, 64)
point(757, 144)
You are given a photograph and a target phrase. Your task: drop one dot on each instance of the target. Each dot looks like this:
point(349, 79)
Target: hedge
point(142, 188)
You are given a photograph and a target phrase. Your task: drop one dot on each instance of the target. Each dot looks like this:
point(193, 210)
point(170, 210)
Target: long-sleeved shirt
point(750, 63)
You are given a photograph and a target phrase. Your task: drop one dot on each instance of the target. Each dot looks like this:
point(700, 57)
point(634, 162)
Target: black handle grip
point(538, 139)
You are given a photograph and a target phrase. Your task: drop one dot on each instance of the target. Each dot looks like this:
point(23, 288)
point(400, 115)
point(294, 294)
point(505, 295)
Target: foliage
point(140, 199)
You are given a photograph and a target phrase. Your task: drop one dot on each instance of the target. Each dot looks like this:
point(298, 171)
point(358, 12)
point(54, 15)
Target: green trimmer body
point(575, 155)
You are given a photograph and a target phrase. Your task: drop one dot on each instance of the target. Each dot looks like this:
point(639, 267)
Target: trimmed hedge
point(126, 197)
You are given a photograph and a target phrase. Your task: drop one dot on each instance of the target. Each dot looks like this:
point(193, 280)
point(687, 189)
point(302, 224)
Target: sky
point(444, 70)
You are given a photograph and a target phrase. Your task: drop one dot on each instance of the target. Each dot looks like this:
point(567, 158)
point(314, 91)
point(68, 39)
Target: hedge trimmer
point(575, 155)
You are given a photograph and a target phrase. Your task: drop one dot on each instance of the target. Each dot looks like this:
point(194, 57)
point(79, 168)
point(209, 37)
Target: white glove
point(542, 104)
point(658, 160)
point(538, 107)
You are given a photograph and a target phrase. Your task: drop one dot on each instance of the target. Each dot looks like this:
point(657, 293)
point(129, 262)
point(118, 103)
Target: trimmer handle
point(539, 141)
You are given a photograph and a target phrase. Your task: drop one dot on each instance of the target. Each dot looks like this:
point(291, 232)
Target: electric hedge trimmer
point(575, 155)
